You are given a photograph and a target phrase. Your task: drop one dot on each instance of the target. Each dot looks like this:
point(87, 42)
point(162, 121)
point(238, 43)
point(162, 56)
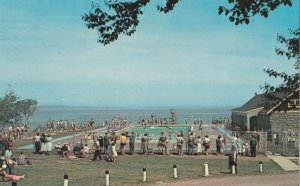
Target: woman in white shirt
point(48, 143)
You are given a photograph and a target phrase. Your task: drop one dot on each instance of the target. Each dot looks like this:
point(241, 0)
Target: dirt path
point(286, 179)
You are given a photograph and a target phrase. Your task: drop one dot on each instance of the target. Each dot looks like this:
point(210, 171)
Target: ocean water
point(83, 114)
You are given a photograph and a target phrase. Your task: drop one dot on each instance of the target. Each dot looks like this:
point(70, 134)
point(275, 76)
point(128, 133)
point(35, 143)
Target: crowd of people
point(104, 147)
point(42, 143)
point(66, 125)
point(95, 146)
point(17, 131)
point(8, 161)
point(99, 147)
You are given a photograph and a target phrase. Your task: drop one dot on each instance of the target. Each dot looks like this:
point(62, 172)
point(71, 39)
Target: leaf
point(247, 21)
point(220, 10)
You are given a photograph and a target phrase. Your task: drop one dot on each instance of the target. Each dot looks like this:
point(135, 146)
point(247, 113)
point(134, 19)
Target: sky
point(191, 57)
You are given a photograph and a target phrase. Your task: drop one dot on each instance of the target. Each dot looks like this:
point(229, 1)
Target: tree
point(13, 108)
point(290, 82)
point(8, 111)
point(122, 16)
point(26, 108)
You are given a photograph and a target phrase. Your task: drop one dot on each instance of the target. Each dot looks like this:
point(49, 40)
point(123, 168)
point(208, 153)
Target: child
point(246, 148)
point(114, 152)
point(243, 149)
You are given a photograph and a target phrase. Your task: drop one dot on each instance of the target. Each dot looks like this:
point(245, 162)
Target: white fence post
point(144, 175)
point(175, 171)
point(205, 168)
point(66, 180)
point(107, 178)
point(260, 166)
point(233, 169)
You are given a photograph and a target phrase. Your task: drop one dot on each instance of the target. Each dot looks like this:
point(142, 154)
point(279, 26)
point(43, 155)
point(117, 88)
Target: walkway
point(285, 163)
point(69, 138)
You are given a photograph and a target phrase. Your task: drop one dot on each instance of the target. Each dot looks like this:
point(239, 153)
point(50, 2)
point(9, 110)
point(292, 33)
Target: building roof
point(254, 103)
point(284, 99)
point(258, 101)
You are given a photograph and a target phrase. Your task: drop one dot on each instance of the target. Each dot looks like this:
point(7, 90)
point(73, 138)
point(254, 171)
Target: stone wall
point(285, 130)
point(284, 121)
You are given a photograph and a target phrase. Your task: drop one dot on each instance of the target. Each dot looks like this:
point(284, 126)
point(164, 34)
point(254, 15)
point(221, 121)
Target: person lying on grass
point(7, 177)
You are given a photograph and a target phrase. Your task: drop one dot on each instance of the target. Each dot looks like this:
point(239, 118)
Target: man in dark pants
point(191, 144)
point(253, 144)
point(97, 151)
point(101, 142)
point(37, 143)
point(232, 159)
point(131, 143)
point(105, 142)
point(218, 145)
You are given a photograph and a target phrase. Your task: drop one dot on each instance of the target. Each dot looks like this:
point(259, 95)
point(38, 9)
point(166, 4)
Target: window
point(293, 103)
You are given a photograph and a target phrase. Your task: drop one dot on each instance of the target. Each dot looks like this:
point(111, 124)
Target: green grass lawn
point(48, 170)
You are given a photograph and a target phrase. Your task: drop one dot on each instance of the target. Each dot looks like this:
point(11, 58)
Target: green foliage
point(242, 10)
point(290, 82)
point(124, 21)
point(292, 46)
point(13, 108)
point(27, 107)
point(8, 108)
point(122, 16)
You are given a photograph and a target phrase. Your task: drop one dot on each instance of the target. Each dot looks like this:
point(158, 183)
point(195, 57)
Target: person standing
point(100, 140)
point(232, 159)
point(253, 144)
point(105, 142)
point(114, 152)
point(257, 134)
point(97, 152)
point(201, 128)
point(170, 133)
point(218, 145)
point(199, 145)
point(144, 144)
point(186, 120)
point(162, 143)
point(122, 143)
point(43, 144)
point(180, 141)
point(37, 143)
point(206, 144)
point(131, 143)
point(48, 144)
point(191, 144)
point(8, 153)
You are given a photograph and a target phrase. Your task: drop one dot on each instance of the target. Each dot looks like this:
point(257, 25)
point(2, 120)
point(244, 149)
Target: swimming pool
point(155, 131)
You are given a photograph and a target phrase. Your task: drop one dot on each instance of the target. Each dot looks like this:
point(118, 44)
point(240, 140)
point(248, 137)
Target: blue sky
point(191, 57)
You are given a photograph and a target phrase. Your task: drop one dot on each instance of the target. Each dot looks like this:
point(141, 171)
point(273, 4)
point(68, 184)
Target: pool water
point(155, 131)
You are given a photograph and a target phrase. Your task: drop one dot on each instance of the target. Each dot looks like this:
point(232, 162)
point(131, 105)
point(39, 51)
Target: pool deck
point(208, 129)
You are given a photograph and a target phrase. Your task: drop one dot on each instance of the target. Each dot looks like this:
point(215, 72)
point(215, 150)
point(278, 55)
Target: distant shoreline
point(70, 107)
